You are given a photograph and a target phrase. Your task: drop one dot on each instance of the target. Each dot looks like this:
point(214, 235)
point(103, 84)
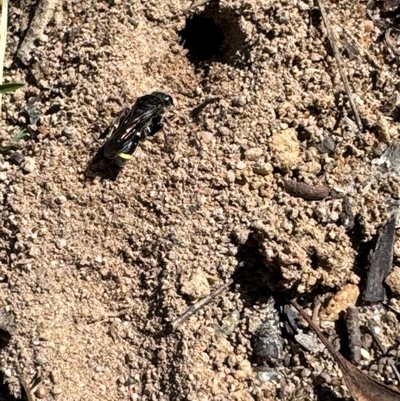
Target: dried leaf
point(305, 191)
point(361, 386)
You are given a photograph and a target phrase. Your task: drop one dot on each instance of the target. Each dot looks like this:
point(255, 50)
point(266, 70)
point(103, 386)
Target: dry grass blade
point(361, 386)
point(3, 37)
point(336, 53)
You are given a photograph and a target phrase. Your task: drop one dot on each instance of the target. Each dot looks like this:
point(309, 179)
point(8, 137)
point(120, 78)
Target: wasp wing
point(126, 135)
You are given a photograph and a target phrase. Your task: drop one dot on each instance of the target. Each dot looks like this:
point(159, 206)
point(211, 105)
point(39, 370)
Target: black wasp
point(144, 118)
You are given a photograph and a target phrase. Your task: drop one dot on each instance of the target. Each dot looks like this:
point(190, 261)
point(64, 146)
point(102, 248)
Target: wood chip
point(380, 263)
point(354, 333)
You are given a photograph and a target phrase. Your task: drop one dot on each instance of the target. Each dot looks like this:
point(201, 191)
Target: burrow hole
point(215, 35)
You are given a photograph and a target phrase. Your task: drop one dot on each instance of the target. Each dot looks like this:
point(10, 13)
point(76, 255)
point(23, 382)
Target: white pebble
point(241, 165)
point(365, 354)
point(61, 243)
point(29, 165)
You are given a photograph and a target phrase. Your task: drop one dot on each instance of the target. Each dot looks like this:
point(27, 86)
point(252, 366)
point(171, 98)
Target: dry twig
point(199, 305)
point(340, 64)
point(354, 333)
point(43, 15)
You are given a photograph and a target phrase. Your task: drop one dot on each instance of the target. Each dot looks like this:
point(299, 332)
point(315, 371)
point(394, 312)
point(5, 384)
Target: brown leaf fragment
point(380, 263)
point(361, 386)
point(305, 191)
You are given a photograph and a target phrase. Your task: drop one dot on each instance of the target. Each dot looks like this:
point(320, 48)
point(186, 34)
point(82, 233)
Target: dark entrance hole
point(202, 37)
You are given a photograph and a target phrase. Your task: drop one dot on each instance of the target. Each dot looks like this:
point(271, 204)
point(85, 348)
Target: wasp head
point(164, 97)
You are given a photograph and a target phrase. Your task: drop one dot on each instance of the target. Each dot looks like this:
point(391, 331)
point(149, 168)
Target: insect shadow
point(99, 165)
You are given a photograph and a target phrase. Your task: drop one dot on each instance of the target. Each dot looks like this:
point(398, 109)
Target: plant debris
point(339, 62)
point(44, 13)
point(305, 191)
point(354, 334)
point(361, 386)
point(199, 305)
point(380, 263)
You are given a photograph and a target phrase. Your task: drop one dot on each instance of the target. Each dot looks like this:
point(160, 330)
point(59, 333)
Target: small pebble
point(206, 136)
point(69, 131)
point(262, 168)
point(393, 280)
point(41, 360)
point(327, 146)
point(197, 286)
point(326, 377)
point(365, 354)
point(242, 235)
point(61, 199)
point(266, 375)
point(56, 390)
point(41, 392)
point(34, 115)
point(303, 6)
point(241, 165)
point(244, 370)
point(162, 355)
point(309, 341)
point(230, 176)
point(29, 165)
point(315, 57)
point(285, 146)
point(5, 166)
point(230, 323)
point(17, 158)
point(343, 299)
point(224, 131)
point(61, 243)
point(253, 153)
point(3, 176)
point(368, 26)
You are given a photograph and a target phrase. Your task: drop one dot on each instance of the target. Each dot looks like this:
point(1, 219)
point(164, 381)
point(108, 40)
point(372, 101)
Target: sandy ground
point(93, 270)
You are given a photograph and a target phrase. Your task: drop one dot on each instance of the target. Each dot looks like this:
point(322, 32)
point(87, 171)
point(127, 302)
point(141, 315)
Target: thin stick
point(43, 14)
point(199, 305)
point(354, 334)
point(3, 37)
point(339, 63)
